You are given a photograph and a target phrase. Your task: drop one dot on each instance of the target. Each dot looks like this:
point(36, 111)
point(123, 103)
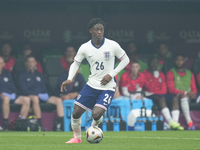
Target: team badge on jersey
point(78, 97)
point(107, 55)
point(159, 80)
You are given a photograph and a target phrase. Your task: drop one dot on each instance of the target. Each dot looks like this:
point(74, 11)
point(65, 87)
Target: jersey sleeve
point(198, 79)
point(123, 81)
point(80, 55)
point(193, 84)
point(119, 52)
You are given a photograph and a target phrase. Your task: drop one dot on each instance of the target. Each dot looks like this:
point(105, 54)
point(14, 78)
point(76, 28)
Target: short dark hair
point(26, 47)
point(30, 56)
point(151, 59)
point(95, 21)
point(162, 43)
point(6, 42)
point(134, 61)
point(179, 54)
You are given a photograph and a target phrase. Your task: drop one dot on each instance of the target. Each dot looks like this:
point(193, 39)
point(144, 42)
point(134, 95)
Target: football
point(94, 134)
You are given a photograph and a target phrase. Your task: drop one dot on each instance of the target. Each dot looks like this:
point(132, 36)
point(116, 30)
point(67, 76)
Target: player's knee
point(35, 101)
point(59, 101)
point(162, 103)
point(76, 115)
point(26, 101)
point(96, 115)
point(6, 100)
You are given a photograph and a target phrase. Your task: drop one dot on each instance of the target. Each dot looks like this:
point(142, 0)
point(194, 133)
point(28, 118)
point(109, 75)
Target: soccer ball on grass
point(94, 134)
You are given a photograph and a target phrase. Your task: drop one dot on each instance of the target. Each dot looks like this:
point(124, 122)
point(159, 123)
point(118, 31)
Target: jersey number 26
point(99, 66)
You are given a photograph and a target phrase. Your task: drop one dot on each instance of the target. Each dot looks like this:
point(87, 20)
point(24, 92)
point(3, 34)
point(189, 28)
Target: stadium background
point(50, 25)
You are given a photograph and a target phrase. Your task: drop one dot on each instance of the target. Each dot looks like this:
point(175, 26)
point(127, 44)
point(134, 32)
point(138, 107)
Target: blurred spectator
point(27, 51)
point(68, 57)
point(181, 84)
point(198, 79)
point(156, 89)
point(8, 95)
point(32, 84)
point(132, 52)
point(9, 60)
point(132, 80)
point(73, 89)
point(164, 57)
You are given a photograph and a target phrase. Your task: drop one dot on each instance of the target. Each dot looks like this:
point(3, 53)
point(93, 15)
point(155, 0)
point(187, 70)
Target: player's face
point(27, 52)
point(97, 31)
point(179, 62)
point(163, 49)
point(154, 64)
point(1, 63)
point(135, 67)
point(6, 49)
point(31, 63)
point(70, 52)
point(132, 48)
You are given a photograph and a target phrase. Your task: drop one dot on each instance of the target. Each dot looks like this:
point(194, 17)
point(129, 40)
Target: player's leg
point(25, 102)
point(36, 107)
point(175, 108)
point(164, 109)
point(85, 101)
point(102, 103)
point(58, 102)
point(97, 115)
point(76, 124)
point(5, 110)
point(161, 99)
point(184, 101)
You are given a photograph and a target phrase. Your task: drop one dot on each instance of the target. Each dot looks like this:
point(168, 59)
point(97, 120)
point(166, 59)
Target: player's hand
point(1, 95)
point(64, 84)
point(192, 95)
point(181, 95)
point(106, 79)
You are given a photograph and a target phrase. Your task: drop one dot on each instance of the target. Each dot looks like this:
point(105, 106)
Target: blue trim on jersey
point(100, 45)
point(115, 80)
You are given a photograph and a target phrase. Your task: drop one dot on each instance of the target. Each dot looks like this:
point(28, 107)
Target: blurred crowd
point(165, 77)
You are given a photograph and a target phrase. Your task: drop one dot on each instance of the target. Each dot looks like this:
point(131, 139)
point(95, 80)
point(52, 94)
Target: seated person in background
point(68, 57)
point(164, 57)
point(9, 60)
point(74, 88)
point(26, 51)
point(198, 79)
point(198, 82)
point(181, 84)
point(156, 89)
point(132, 80)
point(32, 84)
point(132, 52)
point(8, 95)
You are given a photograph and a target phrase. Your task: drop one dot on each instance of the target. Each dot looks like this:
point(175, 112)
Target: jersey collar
point(100, 45)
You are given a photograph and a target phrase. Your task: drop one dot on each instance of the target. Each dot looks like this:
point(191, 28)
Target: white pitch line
point(123, 137)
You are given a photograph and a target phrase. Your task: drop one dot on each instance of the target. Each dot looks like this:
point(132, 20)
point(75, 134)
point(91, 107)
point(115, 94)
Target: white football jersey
point(101, 61)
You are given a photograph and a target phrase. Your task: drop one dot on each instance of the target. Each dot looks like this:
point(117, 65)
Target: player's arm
point(120, 53)
point(124, 86)
point(73, 70)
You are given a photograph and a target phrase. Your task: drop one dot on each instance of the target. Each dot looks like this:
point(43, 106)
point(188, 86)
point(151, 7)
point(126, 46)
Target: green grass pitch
point(148, 140)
